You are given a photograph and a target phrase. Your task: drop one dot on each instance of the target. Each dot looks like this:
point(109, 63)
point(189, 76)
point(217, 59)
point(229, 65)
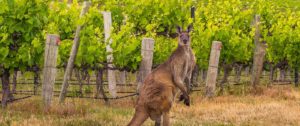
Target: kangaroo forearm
point(188, 80)
point(188, 84)
point(180, 85)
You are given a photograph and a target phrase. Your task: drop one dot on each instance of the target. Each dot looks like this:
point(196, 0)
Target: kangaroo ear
point(178, 29)
point(190, 27)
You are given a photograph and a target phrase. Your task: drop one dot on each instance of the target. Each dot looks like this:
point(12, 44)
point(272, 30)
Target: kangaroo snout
point(185, 41)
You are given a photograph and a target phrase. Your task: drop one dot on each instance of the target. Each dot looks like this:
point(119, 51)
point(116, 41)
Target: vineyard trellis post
point(111, 76)
point(259, 54)
point(122, 80)
point(73, 54)
point(212, 71)
point(49, 71)
point(296, 76)
point(146, 64)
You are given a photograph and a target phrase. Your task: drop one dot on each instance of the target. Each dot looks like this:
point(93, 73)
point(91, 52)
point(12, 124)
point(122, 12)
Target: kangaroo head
point(184, 36)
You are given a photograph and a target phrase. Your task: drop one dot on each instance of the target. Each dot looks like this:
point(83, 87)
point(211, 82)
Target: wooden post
point(49, 71)
point(193, 13)
point(213, 69)
point(111, 76)
point(123, 77)
point(122, 80)
point(296, 76)
point(146, 64)
point(259, 54)
point(72, 57)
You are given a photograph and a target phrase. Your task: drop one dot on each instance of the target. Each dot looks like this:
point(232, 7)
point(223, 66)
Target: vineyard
point(65, 56)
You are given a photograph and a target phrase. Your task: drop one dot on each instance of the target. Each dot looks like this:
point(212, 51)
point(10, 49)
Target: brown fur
point(160, 86)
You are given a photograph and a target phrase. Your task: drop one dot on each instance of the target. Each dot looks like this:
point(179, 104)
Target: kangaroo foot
point(185, 99)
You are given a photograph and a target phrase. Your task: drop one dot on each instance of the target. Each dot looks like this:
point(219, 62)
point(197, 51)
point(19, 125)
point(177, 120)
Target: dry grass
point(279, 105)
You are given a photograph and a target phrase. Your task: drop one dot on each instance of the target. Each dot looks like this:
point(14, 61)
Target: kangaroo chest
point(189, 57)
point(187, 62)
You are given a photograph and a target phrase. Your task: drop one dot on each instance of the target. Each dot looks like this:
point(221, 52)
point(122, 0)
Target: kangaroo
point(158, 91)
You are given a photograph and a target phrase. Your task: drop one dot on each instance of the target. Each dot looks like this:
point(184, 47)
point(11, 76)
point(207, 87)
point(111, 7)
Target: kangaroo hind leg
point(158, 121)
point(166, 119)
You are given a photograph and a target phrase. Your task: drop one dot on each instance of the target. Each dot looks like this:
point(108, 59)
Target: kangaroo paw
point(187, 101)
point(181, 98)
